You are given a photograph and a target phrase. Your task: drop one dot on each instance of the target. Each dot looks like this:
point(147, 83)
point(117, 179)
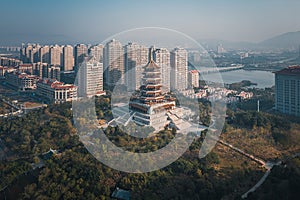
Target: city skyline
point(173, 99)
point(232, 20)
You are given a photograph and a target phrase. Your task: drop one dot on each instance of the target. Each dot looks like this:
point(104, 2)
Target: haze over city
point(78, 21)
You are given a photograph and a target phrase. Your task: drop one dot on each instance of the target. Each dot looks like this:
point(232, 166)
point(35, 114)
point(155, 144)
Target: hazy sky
point(95, 20)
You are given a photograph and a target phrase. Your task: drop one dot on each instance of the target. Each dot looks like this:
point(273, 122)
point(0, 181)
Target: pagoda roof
point(151, 66)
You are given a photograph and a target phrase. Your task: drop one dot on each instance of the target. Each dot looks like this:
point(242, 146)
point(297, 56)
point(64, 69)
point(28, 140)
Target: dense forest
point(74, 173)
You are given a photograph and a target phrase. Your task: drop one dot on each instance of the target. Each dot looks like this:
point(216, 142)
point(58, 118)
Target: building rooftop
point(194, 71)
point(292, 71)
point(56, 84)
point(151, 66)
point(22, 75)
point(121, 194)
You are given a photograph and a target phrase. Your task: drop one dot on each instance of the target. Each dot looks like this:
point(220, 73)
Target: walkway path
point(18, 112)
point(267, 165)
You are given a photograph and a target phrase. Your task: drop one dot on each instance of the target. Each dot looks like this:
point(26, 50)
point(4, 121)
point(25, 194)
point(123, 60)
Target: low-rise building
point(245, 95)
point(9, 62)
point(55, 91)
point(21, 81)
point(25, 68)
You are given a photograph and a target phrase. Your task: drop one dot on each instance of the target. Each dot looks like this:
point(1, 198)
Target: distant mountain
point(213, 43)
point(286, 40)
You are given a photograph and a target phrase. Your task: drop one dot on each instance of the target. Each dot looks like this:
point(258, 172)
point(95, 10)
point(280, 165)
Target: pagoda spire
point(151, 50)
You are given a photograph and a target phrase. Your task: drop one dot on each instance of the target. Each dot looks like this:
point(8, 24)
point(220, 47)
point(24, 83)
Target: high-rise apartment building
point(30, 53)
point(114, 63)
point(81, 52)
point(136, 57)
point(49, 71)
point(55, 53)
point(54, 72)
point(44, 54)
point(97, 52)
point(162, 59)
point(38, 69)
point(193, 79)
point(179, 69)
point(287, 90)
point(35, 54)
point(90, 78)
point(68, 58)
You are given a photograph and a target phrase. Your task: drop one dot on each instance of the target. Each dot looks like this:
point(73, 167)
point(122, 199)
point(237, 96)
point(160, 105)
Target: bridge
point(212, 70)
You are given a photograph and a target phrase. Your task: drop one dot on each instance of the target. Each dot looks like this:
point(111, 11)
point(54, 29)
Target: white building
point(21, 81)
point(97, 52)
point(44, 54)
point(80, 52)
point(55, 91)
point(114, 63)
point(68, 58)
point(136, 57)
point(55, 53)
point(90, 78)
point(162, 59)
point(287, 90)
point(179, 69)
point(193, 79)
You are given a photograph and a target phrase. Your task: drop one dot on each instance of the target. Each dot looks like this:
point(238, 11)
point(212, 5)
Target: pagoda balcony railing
point(152, 92)
point(153, 86)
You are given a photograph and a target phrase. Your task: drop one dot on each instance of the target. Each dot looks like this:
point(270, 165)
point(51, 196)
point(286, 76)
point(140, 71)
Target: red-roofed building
point(55, 91)
point(21, 81)
point(25, 68)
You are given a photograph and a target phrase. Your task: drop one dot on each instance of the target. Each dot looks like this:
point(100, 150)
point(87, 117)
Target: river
point(262, 78)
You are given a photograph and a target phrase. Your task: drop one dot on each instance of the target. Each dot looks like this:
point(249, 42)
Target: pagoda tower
point(150, 106)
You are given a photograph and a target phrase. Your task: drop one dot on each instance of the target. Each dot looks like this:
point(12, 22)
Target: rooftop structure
point(291, 71)
point(121, 194)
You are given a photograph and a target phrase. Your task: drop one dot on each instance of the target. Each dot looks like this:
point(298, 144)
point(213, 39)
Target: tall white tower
point(90, 77)
point(136, 57)
point(179, 69)
point(68, 58)
point(162, 58)
point(114, 63)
